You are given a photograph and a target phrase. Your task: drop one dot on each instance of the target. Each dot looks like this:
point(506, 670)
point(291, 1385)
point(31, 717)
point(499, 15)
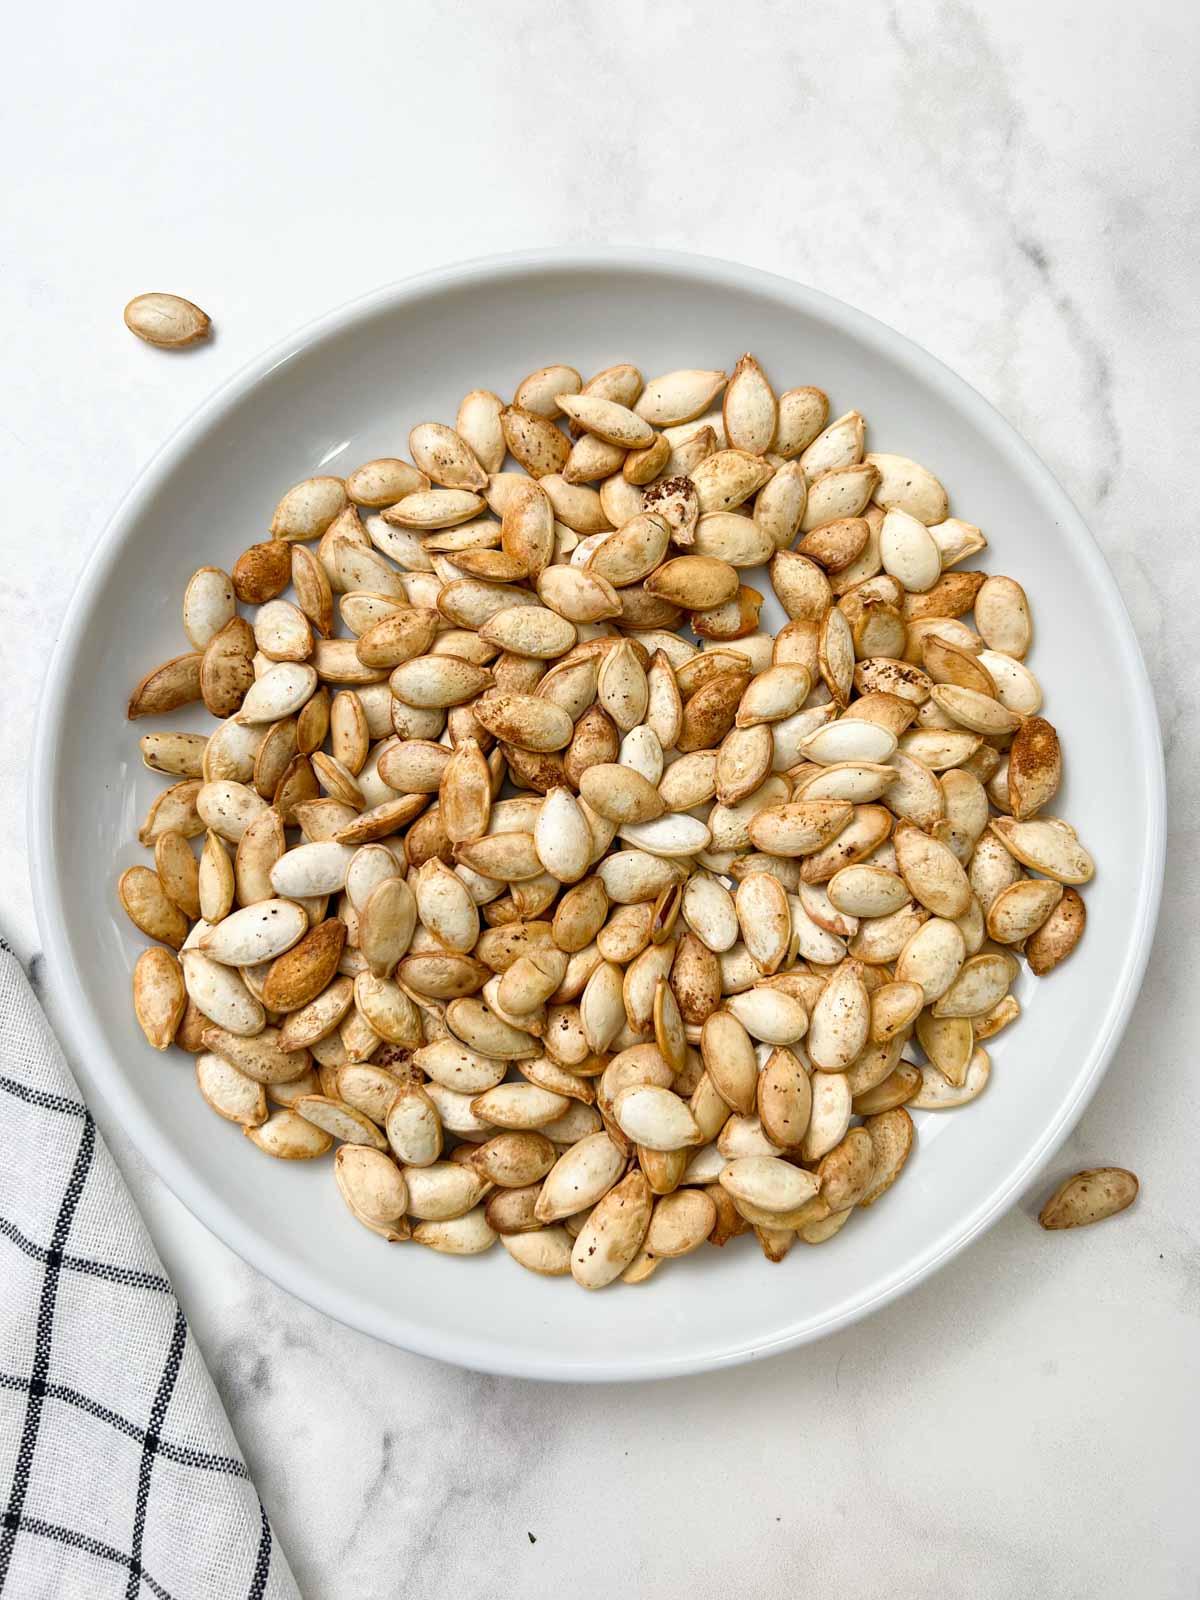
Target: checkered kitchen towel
point(119, 1472)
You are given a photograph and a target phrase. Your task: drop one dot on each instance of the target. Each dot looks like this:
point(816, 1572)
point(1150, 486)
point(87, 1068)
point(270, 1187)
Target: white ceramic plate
point(349, 388)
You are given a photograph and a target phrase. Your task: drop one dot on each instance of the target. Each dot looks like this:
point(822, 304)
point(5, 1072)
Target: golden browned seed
point(166, 687)
point(181, 754)
point(226, 668)
point(632, 552)
point(398, 636)
point(620, 793)
point(527, 527)
point(178, 871)
point(166, 320)
point(314, 595)
point(709, 713)
point(834, 545)
point(302, 973)
point(262, 572)
point(802, 415)
point(290, 1137)
point(644, 466)
point(147, 906)
point(593, 459)
point(696, 583)
point(729, 1060)
point(534, 441)
point(608, 420)
point(891, 1092)
point(1034, 767)
point(1088, 1197)
point(159, 995)
point(1058, 935)
point(297, 785)
point(951, 596)
point(176, 809)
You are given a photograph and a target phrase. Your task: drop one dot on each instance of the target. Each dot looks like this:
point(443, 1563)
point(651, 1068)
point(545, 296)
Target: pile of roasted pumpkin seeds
point(571, 932)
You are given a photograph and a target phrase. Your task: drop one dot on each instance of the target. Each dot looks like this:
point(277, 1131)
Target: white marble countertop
point(1014, 187)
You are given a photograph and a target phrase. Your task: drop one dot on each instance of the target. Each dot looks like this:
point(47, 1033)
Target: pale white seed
point(537, 393)
point(864, 890)
point(655, 1118)
point(312, 869)
point(830, 1118)
point(849, 739)
point(908, 552)
point(581, 1177)
point(1016, 686)
point(256, 933)
point(338, 1120)
point(562, 837)
point(704, 1167)
point(229, 1092)
point(678, 397)
point(673, 835)
point(768, 1182)
point(771, 1015)
point(906, 485)
point(708, 909)
point(209, 604)
point(642, 751)
point(280, 692)
point(220, 994)
point(749, 410)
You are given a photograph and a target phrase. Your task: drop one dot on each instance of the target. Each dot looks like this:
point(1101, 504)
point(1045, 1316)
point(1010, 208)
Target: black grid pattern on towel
point(47, 1400)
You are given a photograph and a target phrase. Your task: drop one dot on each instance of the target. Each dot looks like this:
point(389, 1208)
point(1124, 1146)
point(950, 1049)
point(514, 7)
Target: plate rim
point(84, 1038)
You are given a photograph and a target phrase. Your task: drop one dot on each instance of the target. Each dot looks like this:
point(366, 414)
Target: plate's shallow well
point(348, 389)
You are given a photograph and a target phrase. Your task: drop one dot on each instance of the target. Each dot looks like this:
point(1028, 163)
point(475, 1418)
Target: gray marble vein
point(1013, 187)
